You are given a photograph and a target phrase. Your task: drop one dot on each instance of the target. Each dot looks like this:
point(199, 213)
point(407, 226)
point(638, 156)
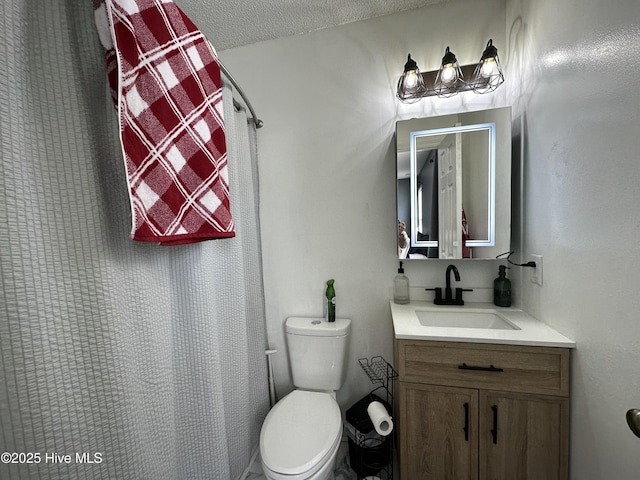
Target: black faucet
point(448, 297)
point(447, 290)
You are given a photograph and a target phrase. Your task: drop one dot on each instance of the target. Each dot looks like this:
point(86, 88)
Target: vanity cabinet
point(471, 411)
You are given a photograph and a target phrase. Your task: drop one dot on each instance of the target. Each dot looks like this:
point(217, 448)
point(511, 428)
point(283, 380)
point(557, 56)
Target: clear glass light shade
point(488, 72)
point(411, 84)
point(449, 76)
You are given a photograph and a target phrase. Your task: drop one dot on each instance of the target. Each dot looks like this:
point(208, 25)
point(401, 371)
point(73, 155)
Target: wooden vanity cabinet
point(472, 411)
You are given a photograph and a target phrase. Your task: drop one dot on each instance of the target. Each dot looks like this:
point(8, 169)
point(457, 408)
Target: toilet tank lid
point(317, 327)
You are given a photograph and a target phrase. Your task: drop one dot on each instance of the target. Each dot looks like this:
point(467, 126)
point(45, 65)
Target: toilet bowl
point(301, 436)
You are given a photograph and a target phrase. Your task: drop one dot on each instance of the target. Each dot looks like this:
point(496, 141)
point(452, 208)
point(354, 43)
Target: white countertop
point(531, 331)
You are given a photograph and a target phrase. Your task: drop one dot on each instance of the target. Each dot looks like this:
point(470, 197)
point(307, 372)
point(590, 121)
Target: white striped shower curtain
point(118, 360)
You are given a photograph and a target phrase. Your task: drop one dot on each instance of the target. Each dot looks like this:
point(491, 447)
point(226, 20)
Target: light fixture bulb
point(489, 67)
point(449, 73)
point(410, 80)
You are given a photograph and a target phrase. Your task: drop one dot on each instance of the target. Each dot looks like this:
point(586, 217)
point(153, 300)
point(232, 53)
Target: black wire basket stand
point(374, 453)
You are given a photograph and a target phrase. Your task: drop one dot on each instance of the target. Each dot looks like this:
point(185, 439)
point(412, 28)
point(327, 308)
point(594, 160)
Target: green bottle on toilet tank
point(331, 301)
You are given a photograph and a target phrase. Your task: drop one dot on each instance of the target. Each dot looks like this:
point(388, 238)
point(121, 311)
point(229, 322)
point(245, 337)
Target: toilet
point(301, 435)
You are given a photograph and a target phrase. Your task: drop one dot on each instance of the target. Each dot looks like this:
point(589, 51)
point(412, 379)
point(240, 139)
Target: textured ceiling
point(233, 23)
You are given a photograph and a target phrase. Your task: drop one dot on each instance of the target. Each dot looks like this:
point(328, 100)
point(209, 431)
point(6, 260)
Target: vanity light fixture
point(450, 78)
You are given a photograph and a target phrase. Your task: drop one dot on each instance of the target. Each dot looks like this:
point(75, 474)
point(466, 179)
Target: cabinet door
point(523, 436)
point(438, 432)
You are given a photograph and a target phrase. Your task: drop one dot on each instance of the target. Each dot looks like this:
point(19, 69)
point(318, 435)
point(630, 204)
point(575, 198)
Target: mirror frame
point(491, 190)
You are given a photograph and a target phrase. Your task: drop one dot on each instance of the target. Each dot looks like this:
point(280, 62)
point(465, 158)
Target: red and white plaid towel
point(168, 92)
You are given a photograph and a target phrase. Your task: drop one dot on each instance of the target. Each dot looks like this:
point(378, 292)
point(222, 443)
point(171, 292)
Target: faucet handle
point(438, 291)
point(459, 291)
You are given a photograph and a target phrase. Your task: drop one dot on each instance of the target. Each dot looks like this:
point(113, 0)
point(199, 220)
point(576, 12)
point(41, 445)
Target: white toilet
point(301, 434)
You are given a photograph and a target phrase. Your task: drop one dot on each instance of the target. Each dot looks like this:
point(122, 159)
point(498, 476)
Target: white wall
point(327, 165)
point(576, 64)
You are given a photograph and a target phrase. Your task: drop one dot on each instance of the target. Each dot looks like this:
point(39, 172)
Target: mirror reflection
point(453, 185)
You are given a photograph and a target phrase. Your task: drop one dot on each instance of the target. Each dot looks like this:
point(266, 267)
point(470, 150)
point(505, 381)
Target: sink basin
point(459, 318)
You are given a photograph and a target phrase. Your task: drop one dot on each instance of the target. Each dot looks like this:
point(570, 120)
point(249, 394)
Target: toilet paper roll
point(380, 418)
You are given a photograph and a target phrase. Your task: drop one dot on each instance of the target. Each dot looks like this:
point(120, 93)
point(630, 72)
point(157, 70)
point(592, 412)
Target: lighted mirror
point(454, 185)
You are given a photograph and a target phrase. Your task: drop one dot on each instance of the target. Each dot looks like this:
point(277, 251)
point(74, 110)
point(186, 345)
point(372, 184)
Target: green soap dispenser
point(401, 287)
point(330, 294)
point(502, 289)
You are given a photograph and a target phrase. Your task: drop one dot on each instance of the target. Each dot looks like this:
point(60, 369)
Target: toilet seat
point(300, 434)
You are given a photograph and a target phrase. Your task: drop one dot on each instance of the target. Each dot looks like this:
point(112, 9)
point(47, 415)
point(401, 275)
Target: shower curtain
point(119, 359)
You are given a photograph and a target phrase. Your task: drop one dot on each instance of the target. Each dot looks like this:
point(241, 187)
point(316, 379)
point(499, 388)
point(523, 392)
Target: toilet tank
point(318, 352)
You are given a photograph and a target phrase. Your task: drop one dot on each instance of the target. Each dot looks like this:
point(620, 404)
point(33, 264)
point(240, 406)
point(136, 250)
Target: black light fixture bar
point(482, 77)
point(429, 79)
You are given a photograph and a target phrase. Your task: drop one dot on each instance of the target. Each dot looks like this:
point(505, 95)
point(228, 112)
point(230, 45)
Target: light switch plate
point(536, 273)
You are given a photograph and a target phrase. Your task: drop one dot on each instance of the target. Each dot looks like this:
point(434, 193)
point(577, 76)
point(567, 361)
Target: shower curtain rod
point(224, 70)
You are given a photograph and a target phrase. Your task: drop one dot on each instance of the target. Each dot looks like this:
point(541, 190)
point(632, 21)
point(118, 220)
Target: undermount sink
point(460, 318)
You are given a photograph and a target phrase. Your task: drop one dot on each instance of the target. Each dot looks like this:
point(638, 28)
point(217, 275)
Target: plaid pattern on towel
point(171, 123)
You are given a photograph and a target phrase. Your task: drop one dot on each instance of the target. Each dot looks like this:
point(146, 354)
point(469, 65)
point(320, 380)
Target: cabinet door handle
point(466, 421)
point(490, 368)
point(494, 431)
